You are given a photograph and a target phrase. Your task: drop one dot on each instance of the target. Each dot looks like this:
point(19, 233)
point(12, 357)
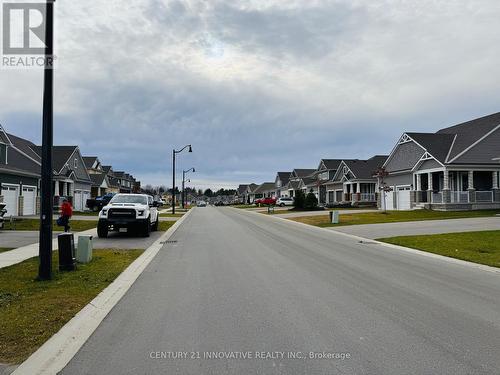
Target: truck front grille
point(121, 213)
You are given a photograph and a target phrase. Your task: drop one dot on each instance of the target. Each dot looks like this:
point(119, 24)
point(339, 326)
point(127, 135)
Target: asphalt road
point(246, 283)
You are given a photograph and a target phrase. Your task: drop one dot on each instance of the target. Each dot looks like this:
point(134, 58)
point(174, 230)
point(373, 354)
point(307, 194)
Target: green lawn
point(32, 311)
point(391, 217)
point(34, 224)
point(477, 247)
point(3, 249)
point(163, 226)
point(85, 213)
point(172, 215)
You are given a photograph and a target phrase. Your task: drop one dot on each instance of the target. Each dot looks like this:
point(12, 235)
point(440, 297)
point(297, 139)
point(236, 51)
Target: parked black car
point(98, 203)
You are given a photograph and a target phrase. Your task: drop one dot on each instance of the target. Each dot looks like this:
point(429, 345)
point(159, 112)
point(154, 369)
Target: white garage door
point(77, 201)
point(10, 198)
point(29, 194)
point(86, 196)
point(403, 194)
point(389, 200)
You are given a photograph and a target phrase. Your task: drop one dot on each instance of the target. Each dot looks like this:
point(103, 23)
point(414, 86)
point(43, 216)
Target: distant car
point(161, 202)
point(266, 201)
point(284, 201)
point(201, 204)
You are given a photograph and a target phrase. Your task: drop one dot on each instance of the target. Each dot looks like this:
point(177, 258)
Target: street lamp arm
point(182, 149)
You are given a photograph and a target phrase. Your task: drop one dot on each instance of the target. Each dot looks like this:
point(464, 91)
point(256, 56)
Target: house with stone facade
point(456, 168)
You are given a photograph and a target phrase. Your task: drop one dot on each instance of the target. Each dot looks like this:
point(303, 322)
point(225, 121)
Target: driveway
point(373, 231)
point(232, 284)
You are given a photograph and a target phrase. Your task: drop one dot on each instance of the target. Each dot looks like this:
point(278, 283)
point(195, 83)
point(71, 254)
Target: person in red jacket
point(66, 213)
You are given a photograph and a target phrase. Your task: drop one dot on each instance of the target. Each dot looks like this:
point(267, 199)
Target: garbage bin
point(84, 249)
point(66, 243)
point(334, 217)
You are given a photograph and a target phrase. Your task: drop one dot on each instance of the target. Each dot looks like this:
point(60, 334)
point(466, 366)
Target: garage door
point(86, 196)
point(77, 201)
point(389, 200)
point(29, 194)
point(10, 198)
point(403, 194)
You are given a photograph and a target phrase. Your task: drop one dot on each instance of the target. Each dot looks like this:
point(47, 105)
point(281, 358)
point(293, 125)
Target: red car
point(266, 201)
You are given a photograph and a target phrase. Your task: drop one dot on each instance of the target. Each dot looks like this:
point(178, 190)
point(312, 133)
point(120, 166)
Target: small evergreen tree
point(299, 199)
point(311, 202)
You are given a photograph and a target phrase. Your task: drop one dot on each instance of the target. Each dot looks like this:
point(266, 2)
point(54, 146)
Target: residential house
point(248, 195)
point(19, 175)
point(295, 180)
point(71, 179)
point(280, 184)
point(355, 183)
point(452, 169)
point(100, 180)
point(264, 190)
point(113, 186)
point(20, 164)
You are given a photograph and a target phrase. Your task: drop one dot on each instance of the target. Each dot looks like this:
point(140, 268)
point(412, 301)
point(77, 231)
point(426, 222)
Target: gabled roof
point(264, 187)
point(302, 172)
point(436, 144)
point(26, 147)
point(98, 178)
point(467, 133)
point(242, 189)
point(293, 185)
point(330, 163)
point(365, 169)
point(60, 155)
point(284, 177)
point(89, 161)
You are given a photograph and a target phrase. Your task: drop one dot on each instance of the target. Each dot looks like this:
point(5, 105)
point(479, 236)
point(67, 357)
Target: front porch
point(457, 190)
point(360, 192)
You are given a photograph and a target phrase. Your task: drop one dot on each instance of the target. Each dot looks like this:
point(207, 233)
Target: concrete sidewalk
point(413, 228)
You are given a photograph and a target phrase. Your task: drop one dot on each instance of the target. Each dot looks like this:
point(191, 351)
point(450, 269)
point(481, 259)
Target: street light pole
point(46, 212)
point(174, 151)
point(183, 183)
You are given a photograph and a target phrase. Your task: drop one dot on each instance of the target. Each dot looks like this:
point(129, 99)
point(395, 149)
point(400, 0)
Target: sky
point(256, 86)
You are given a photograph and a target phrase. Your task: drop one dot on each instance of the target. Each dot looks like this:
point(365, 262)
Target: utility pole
point(45, 247)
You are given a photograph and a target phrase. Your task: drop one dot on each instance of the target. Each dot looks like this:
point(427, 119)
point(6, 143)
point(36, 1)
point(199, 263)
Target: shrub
point(311, 202)
point(299, 200)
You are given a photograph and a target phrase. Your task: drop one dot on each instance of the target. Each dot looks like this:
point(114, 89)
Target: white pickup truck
point(129, 212)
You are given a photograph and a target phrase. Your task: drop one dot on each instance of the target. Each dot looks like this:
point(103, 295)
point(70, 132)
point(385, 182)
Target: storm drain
point(368, 243)
point(167, 242)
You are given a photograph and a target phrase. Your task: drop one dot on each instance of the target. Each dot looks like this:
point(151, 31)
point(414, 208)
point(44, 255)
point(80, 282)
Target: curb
point(371, 242)
point(58, 351)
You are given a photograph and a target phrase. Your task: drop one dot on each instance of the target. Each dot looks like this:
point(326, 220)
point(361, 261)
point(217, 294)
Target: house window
point(76, 163)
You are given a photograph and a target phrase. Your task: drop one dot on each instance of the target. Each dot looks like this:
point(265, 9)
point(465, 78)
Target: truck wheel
point(102, 230)
point(146, 231)
point(155, 225)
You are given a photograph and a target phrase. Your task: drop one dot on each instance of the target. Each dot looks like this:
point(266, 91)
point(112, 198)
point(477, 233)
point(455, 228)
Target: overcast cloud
point(257, 86)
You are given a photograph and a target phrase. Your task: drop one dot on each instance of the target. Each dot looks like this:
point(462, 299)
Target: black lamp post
point(174, 151)
point(183, 182)
point(45, 247)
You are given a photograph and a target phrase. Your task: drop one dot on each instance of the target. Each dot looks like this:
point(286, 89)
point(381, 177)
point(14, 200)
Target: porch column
point(358, 191)
point(419, 188)
point(56, 189)
point(446, 187)
point(429, 188)
point(496, 190)
point(344, 187)
point(471, 189)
